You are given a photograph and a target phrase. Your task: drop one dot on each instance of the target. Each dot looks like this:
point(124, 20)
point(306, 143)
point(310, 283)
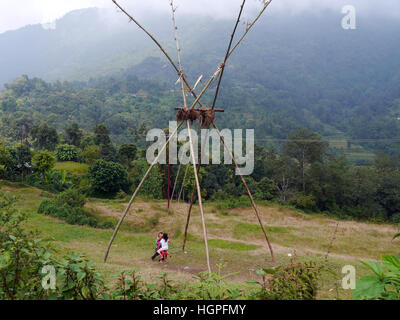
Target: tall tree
point(127, 152)
point(103, 140)
point(45, 137)
point(73, 135)
point(307, 148)
point(43, 162)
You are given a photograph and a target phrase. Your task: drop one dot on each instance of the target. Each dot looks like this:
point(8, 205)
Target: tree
point(388, 193)
point(102, 135)
point(91, 154)
point(306, 147)
point(127, 152)
point(43, 162)
point(107, 177)
point(25, 125)
point(45, 137)
point(21, 161)
point(5, 159)
point(102, 139)
point(73, 135)
point(153, 185)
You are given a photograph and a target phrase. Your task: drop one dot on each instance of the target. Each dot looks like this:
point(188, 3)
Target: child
point(158, 245)
point(164, 248)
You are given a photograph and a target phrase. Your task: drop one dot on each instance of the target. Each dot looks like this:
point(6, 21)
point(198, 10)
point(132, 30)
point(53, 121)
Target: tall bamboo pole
point(248, 192)
point(199, 197)
point(175, 182)
point(227, 54)
point(183, 182)
point(193, 198)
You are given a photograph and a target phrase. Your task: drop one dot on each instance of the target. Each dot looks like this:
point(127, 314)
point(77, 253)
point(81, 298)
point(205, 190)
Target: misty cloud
point(18, 13)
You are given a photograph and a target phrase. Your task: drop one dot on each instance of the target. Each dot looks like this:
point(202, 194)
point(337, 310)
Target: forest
point(103, 124)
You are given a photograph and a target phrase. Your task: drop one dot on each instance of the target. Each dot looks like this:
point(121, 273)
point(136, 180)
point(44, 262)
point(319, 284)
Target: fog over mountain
point(15, 14)
point(92, 42)
point(296, 67)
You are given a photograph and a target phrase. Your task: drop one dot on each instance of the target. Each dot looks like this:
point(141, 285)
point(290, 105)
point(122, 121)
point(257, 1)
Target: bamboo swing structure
point(206, 117)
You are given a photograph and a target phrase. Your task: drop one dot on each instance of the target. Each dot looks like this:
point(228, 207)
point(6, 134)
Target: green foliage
point(77, 279)
point(211, 286)
point(127, 153)
point(44, 137)
point(73, 135)
point(298, 281)
point(69, 206)
point(233, 202)
point(305, 202)
point(265, 190)
point(22, 257)
point(71, 198)
point(91, 154)
point(384, 284)
point(65, 152)
point(152, 186)
point(20, 162)
point(107, 178)
point(56, 181)
point(43, 162)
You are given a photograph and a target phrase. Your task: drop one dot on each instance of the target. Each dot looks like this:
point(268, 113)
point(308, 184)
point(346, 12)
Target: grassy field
point(235, 237)
point(72, 167)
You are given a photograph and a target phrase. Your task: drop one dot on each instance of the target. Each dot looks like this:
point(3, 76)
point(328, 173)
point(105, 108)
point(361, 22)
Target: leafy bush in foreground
point(384, 284)
point(297, 281)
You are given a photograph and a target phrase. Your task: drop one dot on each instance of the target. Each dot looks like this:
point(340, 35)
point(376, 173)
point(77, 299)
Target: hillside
point(234, 235)
point(293, 71)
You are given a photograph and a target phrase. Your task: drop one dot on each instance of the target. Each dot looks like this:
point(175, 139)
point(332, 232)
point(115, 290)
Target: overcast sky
point(18, 13)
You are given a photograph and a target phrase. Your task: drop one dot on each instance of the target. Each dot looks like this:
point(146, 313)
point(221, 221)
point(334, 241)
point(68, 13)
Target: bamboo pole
point(162, 50)
point(192, 199)
point(190, 136)
point(183, 182)
point(248, 192)
point(197, 100)
point(199, 197)
point(250, 26)
point(219, 69)
point(136, 192)
point(227, 53)
point(175, 182)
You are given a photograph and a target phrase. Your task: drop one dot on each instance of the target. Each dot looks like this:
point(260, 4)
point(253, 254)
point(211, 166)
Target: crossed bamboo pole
point(197, 101)
point(193, 198)
point(197, 183)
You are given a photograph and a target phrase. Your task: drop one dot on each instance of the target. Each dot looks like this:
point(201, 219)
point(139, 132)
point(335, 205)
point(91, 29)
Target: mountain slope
point(291, 71)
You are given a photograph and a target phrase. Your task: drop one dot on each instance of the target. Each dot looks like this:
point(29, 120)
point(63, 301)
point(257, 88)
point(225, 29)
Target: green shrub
point(65, 152)
point(304, 202)
point(68, 206)
point(297, 281)
point(71, 198)
point(78, 280)
point(107, 178)
point(21, 256)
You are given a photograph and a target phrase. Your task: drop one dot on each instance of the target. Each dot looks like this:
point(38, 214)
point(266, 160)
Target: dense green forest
point(304, 173)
